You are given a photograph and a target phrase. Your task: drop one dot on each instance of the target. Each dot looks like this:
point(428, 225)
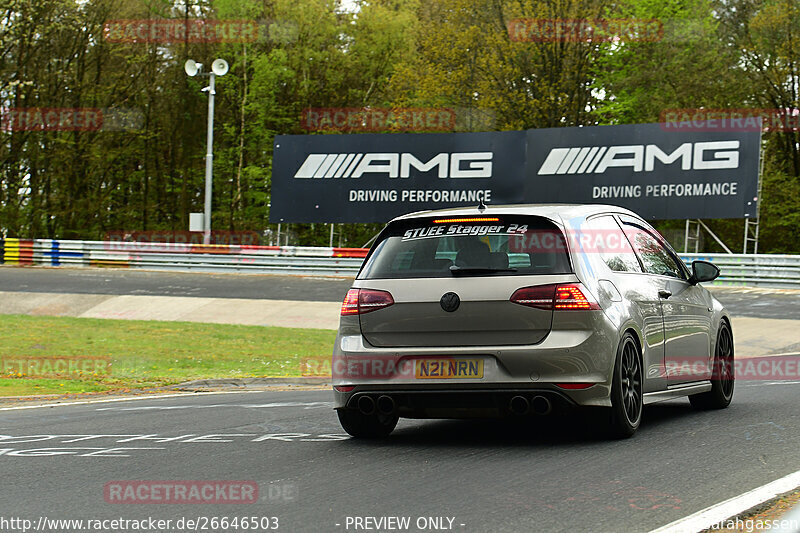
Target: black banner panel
point(657, 173)
point(376, 177)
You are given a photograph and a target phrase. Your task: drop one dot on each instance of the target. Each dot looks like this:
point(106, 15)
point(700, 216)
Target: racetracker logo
point(71, 366)
point(181, 492)
point(641, 158)
point(533, 30)
point(180, 31)
point(70, 119)
point(378, 119)
point(456, 165)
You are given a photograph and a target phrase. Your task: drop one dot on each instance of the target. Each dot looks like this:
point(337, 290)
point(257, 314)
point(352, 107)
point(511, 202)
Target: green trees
point(741, 54)
point(147, 174)
point(467, 59)
point(143, 169)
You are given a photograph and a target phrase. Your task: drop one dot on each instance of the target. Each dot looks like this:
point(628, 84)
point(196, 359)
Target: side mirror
point(703, 271)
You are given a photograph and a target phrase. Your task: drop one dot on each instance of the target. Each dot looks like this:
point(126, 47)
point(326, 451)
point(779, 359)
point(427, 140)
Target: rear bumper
point(463, 403)
point(583, 355)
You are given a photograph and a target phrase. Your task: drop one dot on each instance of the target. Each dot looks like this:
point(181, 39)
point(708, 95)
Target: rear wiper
point(457, 270)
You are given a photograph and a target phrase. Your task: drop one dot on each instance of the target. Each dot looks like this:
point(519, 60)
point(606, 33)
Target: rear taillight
point(540, 296)
point(572, 297)
point(360, 301)
point(549, 297)
point(350, 303)
point(372, 300)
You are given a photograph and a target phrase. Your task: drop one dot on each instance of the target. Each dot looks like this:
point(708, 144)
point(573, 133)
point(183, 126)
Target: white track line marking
point(126, 399)
point(735, 506)
point(306, 405)
point(764, 383)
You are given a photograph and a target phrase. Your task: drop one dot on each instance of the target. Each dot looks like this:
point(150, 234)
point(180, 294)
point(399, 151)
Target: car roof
point(558, 212)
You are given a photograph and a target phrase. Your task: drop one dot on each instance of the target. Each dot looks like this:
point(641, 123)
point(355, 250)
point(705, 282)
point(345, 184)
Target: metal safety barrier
point(762, 270)
point(773, 271)
point(291, 260)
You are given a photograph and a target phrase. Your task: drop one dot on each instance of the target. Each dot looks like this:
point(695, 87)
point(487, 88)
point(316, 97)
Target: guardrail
point(776, 271)
point(763, 270)
point(291, 260)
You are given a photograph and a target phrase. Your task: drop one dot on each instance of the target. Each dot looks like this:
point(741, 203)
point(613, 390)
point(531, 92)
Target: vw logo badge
point(450, 302)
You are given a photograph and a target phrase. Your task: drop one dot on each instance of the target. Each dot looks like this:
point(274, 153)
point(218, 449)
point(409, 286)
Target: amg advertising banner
point(658, 173)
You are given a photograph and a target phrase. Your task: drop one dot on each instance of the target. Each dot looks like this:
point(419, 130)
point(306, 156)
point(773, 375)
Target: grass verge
point(36, 353)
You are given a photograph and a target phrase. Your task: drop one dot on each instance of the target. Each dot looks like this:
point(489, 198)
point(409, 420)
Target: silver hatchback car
point(525, 310)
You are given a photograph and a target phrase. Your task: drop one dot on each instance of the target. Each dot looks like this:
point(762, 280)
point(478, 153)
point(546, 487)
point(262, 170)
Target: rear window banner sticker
point(463, 229)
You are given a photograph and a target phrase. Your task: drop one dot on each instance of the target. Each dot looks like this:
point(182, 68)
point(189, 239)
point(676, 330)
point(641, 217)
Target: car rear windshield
point(468, 246)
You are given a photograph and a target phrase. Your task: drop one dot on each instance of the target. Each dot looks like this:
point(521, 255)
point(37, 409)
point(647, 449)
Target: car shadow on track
point(576, 427)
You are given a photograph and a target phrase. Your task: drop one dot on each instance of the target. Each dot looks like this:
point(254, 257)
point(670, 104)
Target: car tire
point(626, 389)
point(363, 426)
point(723, 378)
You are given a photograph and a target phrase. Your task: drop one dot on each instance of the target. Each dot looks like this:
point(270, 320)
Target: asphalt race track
point(767, 304)
point(542, 474)
point(153, 283)
point(553, 474)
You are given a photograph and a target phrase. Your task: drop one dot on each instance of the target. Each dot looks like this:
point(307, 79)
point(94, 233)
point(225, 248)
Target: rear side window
point(461, 246)
point(604, 236)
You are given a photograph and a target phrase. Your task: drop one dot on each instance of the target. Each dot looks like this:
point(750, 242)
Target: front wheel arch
point(723, 378)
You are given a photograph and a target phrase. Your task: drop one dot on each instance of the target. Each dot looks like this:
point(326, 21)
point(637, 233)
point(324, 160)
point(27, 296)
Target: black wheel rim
point(724, 361)
point(631, 382)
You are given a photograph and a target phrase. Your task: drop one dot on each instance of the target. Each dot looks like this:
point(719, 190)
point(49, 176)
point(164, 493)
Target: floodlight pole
point(209, 162)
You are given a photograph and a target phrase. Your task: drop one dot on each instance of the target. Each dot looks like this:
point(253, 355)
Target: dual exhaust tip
point(384, 405)
point(538, 405)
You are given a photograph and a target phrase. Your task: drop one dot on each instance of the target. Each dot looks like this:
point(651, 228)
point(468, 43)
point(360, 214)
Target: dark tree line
point(143, 169)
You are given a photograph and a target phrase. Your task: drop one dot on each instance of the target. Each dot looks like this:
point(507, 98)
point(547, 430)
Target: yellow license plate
point(448, 368)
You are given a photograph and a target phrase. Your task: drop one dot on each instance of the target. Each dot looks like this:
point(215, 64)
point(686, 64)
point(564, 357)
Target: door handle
point(664, 293)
